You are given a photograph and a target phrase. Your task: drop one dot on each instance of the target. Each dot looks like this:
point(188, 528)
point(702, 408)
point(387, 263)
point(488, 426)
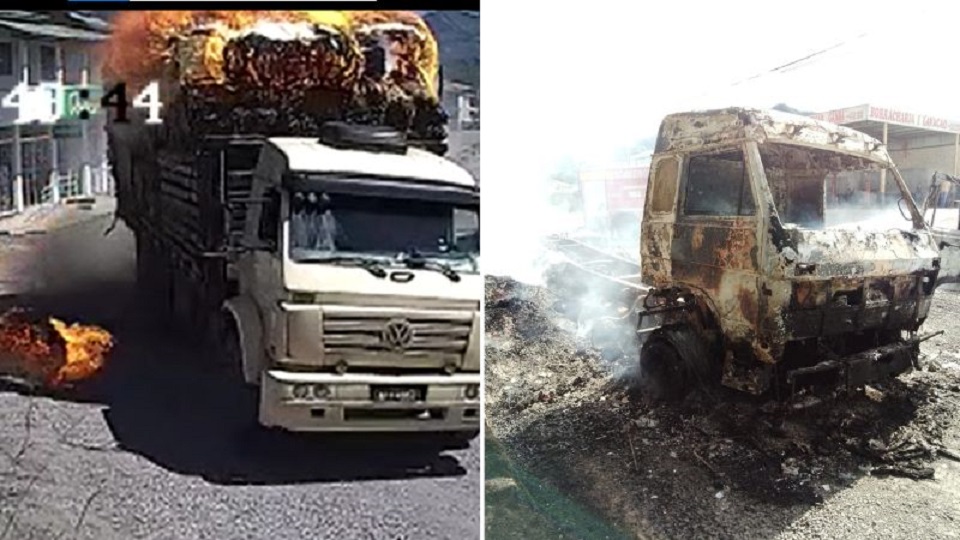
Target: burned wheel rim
point(663, 376)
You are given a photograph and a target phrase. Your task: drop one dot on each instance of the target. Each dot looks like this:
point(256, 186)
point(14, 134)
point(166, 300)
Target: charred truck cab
point(783, 253)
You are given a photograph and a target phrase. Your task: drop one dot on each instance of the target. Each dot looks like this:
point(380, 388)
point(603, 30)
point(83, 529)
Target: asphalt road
point(158, 447)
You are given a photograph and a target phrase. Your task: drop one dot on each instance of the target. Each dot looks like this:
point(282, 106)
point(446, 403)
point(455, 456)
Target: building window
point(48, 63)
point(6, 59)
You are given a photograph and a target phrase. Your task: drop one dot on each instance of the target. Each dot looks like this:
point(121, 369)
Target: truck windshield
point(331, 225)
point(818, 189)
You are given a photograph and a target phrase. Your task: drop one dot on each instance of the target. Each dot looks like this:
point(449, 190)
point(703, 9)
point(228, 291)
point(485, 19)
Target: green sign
point(80, 102)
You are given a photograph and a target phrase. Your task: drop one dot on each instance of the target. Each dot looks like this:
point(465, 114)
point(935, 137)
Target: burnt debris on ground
point(563, 405)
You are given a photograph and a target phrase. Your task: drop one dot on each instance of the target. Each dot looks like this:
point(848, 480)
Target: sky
point(580, 84)
point(614, 71)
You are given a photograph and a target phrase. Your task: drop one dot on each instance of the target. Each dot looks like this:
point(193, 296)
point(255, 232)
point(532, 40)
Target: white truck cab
point(358, 289)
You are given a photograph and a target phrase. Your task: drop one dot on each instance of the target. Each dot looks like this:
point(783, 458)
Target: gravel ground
point(582, 447)
point(156, 447)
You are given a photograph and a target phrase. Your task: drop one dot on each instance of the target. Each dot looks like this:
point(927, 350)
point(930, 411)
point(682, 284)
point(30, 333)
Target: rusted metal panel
point(684, 132)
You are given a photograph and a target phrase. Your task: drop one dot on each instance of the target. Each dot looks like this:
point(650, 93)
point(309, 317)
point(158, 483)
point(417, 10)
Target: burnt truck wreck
point(782, 254)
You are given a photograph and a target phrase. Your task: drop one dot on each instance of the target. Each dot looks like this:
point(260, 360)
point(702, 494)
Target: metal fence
point(20, 193)
point(7, 204)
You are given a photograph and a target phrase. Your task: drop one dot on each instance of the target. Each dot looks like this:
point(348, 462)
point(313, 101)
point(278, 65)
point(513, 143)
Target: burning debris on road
point(48, 353)
point(282, 73)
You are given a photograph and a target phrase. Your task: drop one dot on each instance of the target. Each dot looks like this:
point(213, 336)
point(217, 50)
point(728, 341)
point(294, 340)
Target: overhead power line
point(799, 61)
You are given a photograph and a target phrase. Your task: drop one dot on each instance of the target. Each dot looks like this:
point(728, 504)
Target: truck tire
point(458, 440)
point(229, 361)
point(674, 361)
point(229, 349)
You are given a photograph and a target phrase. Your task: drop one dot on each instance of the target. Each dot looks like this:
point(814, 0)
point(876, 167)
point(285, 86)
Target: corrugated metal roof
point(89, 20)
point(52, 30)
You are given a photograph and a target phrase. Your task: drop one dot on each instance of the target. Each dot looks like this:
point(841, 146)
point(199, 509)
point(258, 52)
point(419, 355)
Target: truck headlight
point(471, 391)
point(321, 391)
point(309, 392)
point(300, 391)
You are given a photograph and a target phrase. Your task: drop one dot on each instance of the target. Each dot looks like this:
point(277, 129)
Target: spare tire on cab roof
point(346, 136)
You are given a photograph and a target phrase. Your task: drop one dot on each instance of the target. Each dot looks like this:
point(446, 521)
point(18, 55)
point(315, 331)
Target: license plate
point(398, 393)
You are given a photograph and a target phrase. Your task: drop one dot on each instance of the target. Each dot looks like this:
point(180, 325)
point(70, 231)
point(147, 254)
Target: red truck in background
point(612, 199)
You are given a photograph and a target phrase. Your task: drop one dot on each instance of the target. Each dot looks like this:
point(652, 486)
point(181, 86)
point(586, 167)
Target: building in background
point(462, 103)
point(38, 47)
point(919, 144)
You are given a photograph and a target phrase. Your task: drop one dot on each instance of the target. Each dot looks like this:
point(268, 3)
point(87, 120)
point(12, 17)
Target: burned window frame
point(743, 213)
point(657, 191)
point(861, 163)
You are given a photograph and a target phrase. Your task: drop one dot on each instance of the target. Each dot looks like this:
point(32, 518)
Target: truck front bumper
point(299, 401)
point(858, 369)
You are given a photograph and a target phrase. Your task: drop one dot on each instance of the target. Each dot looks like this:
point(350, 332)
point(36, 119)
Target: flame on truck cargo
point(140, 49)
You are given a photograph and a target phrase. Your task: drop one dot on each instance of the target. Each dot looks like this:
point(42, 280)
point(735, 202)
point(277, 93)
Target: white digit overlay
point(49, 102)
point(42, 104)
point(149, 99)
point(14, 100)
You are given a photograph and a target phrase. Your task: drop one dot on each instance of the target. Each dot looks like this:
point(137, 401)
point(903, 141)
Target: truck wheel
point(662, 374)
point(229, 359)
point(229, 350)
point(459, 439)
point(672, 362)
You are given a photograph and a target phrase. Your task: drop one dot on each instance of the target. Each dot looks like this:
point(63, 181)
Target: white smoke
point(516, 224)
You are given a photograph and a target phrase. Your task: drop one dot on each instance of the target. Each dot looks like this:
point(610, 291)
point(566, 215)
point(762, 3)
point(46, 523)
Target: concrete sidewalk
point(43, 218)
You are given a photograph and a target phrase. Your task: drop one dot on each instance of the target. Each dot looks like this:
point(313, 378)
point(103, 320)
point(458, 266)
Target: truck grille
point(428, 335)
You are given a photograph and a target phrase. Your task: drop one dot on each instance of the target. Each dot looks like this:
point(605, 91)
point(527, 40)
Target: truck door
point(714, 248)
point(659, 217)
point(259, 265)
point(946, 236)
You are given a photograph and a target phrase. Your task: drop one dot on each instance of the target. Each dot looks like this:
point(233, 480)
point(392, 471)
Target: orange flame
point(50, 352)
point(141, 46)
point(87, 347)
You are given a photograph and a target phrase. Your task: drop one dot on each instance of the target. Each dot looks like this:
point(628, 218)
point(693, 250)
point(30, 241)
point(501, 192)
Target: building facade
point(47, 47)
point(462, 104)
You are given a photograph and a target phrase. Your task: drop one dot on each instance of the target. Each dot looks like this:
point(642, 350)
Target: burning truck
point(760, 269)
point(295, 210)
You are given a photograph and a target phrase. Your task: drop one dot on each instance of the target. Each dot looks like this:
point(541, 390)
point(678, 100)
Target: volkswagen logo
point(398, 334)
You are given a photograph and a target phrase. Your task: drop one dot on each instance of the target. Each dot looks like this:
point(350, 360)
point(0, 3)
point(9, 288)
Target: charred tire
point(674, 361)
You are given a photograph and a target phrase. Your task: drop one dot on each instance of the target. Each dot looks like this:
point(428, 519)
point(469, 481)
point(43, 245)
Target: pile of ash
point(565, 409)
